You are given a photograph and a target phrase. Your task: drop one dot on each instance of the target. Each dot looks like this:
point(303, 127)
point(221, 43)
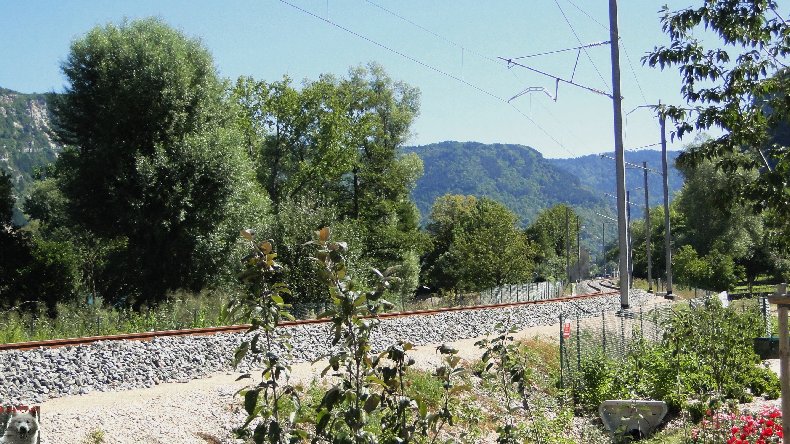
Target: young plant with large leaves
point(368, 384)
point(263, 306)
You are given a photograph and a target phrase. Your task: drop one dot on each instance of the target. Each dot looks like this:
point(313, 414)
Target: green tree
point(552, 238)
point(477, 244)
point(154, 157)
point(740, 88)
point(32, 269)
point(331, 149)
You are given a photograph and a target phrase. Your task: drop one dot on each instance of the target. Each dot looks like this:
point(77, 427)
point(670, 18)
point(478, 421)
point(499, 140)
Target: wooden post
point(782, 301)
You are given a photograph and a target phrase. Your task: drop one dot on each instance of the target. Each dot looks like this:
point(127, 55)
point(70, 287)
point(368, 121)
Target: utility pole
point(630, 243)
point(647, 235)
point(617, 108)
point(567, 245)
point(579, 250)
point(603, 245)
point(667, 230)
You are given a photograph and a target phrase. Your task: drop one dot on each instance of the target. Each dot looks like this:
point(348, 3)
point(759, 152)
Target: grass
point(182, 310)
point(96, 436)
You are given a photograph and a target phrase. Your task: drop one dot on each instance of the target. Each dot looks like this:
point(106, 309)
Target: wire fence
point(585, 336)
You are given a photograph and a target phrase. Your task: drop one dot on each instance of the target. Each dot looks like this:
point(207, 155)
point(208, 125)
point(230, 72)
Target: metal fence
point(585, 335)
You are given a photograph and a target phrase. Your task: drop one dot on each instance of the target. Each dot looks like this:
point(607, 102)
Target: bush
point(704, 358)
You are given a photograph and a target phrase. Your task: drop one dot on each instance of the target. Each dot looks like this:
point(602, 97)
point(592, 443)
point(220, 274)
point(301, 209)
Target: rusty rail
point(147, 336)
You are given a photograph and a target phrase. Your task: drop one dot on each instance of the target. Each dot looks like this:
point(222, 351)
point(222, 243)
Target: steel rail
point(150, 335)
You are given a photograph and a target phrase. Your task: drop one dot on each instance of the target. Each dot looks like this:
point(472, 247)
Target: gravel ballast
point(32, 376)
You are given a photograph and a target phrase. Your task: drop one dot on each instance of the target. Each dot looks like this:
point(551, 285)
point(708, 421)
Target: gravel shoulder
point(179, 390)
point(199, 411)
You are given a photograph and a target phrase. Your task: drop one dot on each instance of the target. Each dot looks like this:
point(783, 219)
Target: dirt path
point(199, 411)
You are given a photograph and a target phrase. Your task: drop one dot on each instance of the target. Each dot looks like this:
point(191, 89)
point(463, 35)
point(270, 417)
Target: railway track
point(147, 336)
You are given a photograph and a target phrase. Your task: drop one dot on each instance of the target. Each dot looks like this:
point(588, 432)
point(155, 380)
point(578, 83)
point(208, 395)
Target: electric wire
point(578, 39)
point(588, 15)
point(575, 48)
point(560, 79)
point(435, 34)
point(625, 49)
point(432, 68)
point(633, 165)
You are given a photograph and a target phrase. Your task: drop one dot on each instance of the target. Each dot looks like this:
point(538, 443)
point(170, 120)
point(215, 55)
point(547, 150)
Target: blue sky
point(267, 39)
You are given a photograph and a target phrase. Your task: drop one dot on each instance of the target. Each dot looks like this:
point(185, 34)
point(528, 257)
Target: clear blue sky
point(267, 39)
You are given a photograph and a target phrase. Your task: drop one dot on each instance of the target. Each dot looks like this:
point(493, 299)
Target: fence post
point(655, 324)
point(641, 323)
point(562, 349)
point(622, 333)
point(603, 328)
point(578, 341)
point(764, 309)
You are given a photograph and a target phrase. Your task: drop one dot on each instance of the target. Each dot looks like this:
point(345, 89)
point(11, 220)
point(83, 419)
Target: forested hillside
point(25, 143)
point(515, 175)
point(589, 168)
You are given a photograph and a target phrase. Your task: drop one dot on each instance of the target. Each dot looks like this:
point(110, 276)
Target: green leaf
point(251, 401)
point(372, 403)
point(241, 352)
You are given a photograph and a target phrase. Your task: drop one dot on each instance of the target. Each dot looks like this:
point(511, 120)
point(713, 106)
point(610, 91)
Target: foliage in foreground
point(705, 358)
point(725, 425)
point(371, 396)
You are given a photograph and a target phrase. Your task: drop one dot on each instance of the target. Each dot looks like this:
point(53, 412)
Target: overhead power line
point(643, 146)
point(578, 39)
point(575, 48)
point(588, 15)
point(435, 34)
point(625, 48)
point(510, 62)
point(432, 68)
point(633, 165)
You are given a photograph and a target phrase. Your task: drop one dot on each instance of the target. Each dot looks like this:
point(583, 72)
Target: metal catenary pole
point(629, 240)
point(617, 109)
point(567, 245)
point(667, 229)
point(578, 250)
point(647, 235)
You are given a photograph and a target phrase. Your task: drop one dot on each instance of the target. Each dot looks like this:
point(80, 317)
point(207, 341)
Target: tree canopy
point(477, 245)
point(738, 87)
point(328, 154)
point(153, 157)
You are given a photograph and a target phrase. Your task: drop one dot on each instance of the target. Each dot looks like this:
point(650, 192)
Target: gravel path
point(200, 411)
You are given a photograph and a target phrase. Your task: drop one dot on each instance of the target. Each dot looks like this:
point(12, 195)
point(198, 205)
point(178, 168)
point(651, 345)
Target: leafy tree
point(739, 88)
point(31, 269)
point(14, 245)
point(552, 238)
point(154, 157)
point(331, 149)
point(715, 271)
point(477, 245)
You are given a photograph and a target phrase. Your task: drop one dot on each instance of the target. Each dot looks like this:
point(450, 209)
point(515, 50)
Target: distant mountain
point(25, 143)
point(597, 173)
point(525, 181)
point(516, 175)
